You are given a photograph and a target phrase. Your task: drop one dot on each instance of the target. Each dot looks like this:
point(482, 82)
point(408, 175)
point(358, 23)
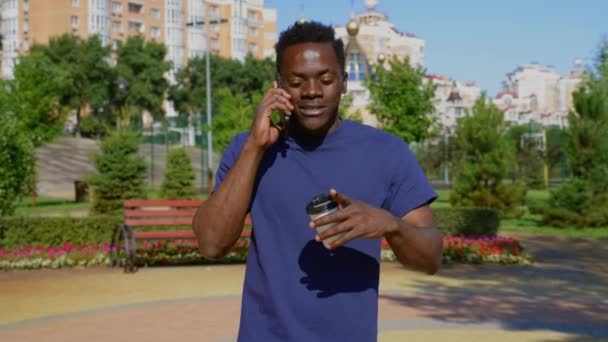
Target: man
point(295, 288)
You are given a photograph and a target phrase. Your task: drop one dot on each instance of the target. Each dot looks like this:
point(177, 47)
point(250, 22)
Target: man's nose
point(312, 88)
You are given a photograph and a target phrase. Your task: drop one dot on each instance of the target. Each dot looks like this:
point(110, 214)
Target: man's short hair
point(309, 32)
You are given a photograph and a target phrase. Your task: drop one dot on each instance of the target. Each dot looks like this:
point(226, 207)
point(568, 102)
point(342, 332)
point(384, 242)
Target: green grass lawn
point(443, 201)
point(50, 206)
point(531, 226)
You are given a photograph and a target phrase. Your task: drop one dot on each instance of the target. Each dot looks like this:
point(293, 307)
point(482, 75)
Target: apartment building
point(453, 100)
point(231, 28)
point(533, 92)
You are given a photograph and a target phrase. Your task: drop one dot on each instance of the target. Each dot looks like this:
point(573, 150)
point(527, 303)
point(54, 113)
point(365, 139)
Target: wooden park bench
point(139, 214)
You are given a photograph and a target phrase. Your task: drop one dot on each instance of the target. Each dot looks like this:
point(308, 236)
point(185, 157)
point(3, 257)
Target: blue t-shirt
point(295, 289)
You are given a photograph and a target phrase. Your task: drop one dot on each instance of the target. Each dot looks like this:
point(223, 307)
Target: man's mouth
point(312, 110)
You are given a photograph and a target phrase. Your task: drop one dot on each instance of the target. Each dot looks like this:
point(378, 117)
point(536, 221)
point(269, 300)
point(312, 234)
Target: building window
point(253, 31)
point(155, 13)
point(136, 27)
point(115, 44)
point(75, 21)
point(116, 7)
point(214, 44)
point(26, 44)
point(214, 11)
point(357, 67)
point(253, 48)
point(116, 26)
point(135, 7)
point(26, 5)
point(26, 25)
point(155, 32)
point(74, 3)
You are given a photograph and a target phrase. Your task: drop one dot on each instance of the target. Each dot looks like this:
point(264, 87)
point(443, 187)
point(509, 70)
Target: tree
point(487, 155)
point(141, 82)
point(16, 157)
point(35, 97)
point(189, 94)
point(86, 71)
point(121, 172)
point(346, 112)
point(433, 155)
point(582, 200)
point(529, 158)
point(35, 100)
point(555, 153)
point(179, 175)
point(235, 116)
point(401, 99)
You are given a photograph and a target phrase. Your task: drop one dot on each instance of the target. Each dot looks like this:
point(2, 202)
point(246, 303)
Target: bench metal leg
point(130, 249)
point(114, 243)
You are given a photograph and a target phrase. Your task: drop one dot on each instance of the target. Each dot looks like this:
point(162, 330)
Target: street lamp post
point(208, 20)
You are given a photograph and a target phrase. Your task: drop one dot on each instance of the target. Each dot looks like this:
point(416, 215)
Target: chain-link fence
point(159, 137)
point(535, 163)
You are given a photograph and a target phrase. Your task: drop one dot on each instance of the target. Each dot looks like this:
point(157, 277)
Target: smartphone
point(284, 119)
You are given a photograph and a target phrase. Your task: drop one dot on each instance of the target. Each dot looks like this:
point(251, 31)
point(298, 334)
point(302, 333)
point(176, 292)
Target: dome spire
point(371, 4)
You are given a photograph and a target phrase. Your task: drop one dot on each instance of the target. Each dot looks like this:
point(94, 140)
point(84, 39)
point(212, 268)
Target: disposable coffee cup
point(320, 206)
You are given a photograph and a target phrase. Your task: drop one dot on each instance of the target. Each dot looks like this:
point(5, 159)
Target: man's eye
point(327, 80)
point(295, 84)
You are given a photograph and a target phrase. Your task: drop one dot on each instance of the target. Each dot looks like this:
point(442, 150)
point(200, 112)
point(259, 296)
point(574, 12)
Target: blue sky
point(479, 40)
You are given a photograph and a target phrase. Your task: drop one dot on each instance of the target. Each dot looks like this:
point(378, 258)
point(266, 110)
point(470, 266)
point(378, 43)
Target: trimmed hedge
point(467, 221)
point(55, 231)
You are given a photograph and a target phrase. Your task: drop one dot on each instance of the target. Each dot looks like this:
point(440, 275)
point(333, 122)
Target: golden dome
point(302, 20)
point(381, 58)
point(352, 27)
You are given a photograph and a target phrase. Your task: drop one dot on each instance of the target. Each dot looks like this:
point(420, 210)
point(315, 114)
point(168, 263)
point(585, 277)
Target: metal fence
point(159, 137)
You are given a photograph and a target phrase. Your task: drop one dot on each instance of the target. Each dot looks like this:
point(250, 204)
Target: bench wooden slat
point(138, 203)
point(160, 213)
point(178, 234)
point(158, 222)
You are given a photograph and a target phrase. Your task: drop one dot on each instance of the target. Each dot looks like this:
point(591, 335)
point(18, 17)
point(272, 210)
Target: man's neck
point(305, 136)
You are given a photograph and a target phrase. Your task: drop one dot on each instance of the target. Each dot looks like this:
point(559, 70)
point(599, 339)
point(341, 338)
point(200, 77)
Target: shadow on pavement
point(566, 290)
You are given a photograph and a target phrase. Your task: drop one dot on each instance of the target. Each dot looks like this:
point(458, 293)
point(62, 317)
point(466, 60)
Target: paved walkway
point(563, 297)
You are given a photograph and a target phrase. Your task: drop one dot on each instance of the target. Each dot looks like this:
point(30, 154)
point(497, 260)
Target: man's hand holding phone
point(264, 132)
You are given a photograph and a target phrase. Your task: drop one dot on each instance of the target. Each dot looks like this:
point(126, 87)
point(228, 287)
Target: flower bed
point(498, 250)
point(455, 249)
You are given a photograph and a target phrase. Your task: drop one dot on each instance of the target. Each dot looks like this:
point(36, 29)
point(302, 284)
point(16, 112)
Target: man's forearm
point(218, 222)
point(418, 247)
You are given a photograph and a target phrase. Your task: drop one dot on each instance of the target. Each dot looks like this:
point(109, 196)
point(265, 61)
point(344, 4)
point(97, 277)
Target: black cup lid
point(320, 204)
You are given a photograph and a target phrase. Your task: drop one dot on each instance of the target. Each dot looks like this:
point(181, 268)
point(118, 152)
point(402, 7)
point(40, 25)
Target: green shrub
point(55, 231)
point(487, 157)
point(579, 203)
point(16, 162)
point(93, 127)
point(121, 173)
point(582, 201)
point(179, 175)
point(467, 221)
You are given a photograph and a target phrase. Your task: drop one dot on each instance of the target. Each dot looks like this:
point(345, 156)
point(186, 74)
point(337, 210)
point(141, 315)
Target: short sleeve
point(409, 188)
point(228, 159)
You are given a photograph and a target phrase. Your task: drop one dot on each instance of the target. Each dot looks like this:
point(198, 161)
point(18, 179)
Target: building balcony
point(254, 22)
